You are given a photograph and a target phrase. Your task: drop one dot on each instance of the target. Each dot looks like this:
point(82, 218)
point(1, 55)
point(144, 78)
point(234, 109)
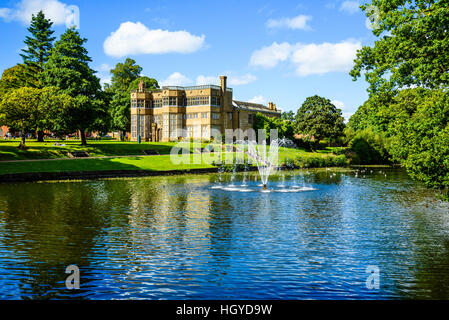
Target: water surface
point(184, 238)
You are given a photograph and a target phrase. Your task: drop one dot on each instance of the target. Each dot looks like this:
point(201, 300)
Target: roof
point(252, 106)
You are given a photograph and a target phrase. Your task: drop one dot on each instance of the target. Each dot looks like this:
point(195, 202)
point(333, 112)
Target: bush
point(368, 147)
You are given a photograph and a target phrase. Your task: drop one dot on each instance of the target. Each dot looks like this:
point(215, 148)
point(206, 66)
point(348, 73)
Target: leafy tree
point(319, 118)
point(121, 104)
point(123, 74)
point(30, 109)
point(421, 137)
point(369, 147)
point(412, 49)
point(150, 83)
point(290, 116)
point(16, 77)
point(38, 44)
point(285, 128)
point(68, 69)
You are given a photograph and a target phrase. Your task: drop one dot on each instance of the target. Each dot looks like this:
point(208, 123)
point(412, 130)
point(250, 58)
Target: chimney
point(270, 105)
point(223, 84)
point(141, 86)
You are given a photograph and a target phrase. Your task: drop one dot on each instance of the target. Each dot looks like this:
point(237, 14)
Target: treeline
point(55, 90)
point(317, 120)
point(406, 118)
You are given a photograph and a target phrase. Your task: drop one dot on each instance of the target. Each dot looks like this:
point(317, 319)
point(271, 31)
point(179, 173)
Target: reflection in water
point(178, 237)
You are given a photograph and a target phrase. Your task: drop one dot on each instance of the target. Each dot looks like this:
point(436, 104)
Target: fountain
point(265, 158)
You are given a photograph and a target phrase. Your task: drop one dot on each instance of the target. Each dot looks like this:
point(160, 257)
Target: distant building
point(162, 114)
point(3, 131)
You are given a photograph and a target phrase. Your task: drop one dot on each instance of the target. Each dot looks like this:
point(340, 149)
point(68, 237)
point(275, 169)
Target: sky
point(272, 51)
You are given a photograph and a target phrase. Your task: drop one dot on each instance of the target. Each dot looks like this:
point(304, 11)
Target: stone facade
point(171, 113)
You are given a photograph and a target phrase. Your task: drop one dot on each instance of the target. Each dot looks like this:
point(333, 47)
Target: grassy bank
point(156, 163)
point(47, 150)
point(118, 160)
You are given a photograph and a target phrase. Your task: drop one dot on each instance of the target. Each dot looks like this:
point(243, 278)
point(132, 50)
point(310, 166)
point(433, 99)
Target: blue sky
point(280, 51)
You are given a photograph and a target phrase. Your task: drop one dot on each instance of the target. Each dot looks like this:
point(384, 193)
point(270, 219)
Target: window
point(215, 116)
point(172, 101)
point(198, 101)
point(165, 126)
point(215, 101)
point(157, 103)
point(205, 134)
point(192, 115)
point(250, 118)
point(204, 115)
point(230, 115)
point(196, 131)
point(133, 103)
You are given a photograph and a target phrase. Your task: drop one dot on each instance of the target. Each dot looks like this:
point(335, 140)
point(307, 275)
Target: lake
point(193, 237)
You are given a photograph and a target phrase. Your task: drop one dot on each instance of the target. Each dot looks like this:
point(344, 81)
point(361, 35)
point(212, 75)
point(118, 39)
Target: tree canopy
point(409, 76)
point(68, 69)
point(31, 109)
point(319, 118)
point(412, 47)
point(38, 45)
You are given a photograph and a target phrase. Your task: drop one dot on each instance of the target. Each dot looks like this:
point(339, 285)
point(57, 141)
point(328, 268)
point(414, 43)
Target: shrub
point(368, 147)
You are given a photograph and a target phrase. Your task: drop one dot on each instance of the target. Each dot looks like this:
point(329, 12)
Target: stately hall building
point(165, 114)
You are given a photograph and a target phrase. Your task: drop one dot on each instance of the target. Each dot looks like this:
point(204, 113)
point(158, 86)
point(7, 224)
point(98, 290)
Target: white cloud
point(258, 99)
point(324, 58)
point(58, 12)
point(241, 80)
point(269, 57)
point(176, 79)
point(350, 6)
point(298, 22)
point(233, 80)
point(204, 80)
point(338, 104)
point(104, 68)
point(311, 58)
point(136, 38)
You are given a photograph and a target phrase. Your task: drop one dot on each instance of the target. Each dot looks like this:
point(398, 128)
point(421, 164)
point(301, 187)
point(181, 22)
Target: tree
point(149, 83)
point(126, 76)
point(284, 127)
point(38, 44)
point(290, 116)
point(421, 136)
point(123, 74)
point(412, 49)
point(68, 69)
point(120, 106)
point(16, 77)
point(319, 118)
point(30, 109)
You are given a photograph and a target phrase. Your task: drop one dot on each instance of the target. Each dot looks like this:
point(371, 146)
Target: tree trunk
point(123, 136)
point(40, 136)
point(22, 143)
point(83, 137)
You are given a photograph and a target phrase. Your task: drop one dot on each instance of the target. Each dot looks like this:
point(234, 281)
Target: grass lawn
point(154, 163)
point(47, 150)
